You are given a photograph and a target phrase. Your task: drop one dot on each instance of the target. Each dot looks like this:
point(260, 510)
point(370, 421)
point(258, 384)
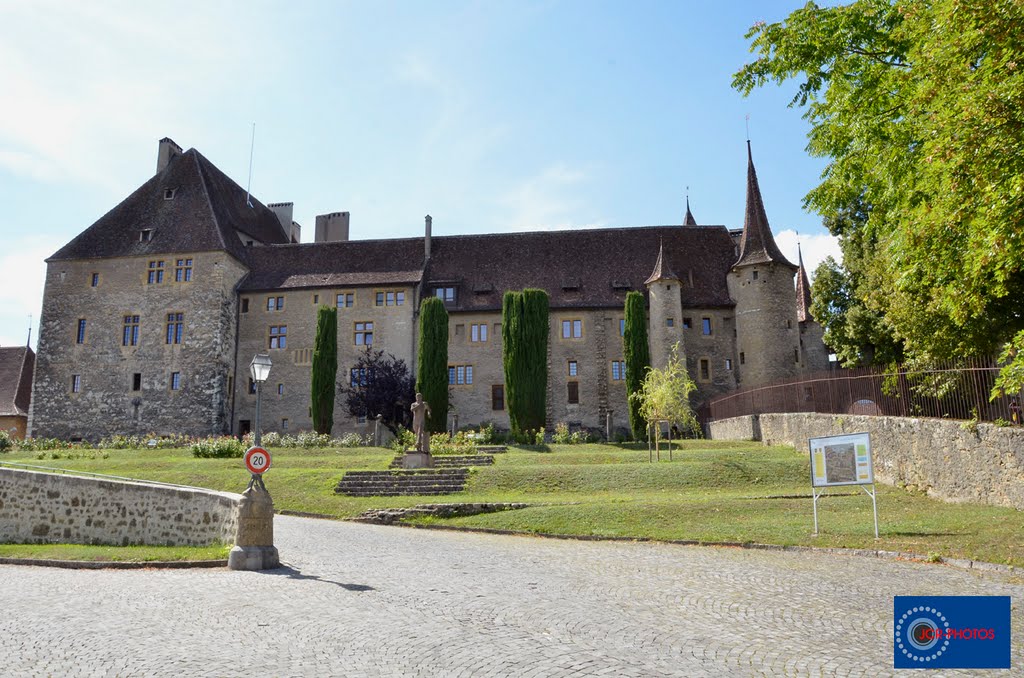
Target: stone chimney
point(167, 150)
point(283, 210)
point(426, 237)
point(331, 227)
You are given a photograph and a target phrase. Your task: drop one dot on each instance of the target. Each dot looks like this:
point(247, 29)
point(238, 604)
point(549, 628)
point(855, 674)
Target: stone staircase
point(453, 460)
point(393, 483)
point(491, 449)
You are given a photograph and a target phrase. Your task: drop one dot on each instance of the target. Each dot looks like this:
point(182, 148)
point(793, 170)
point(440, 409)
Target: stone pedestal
point(254, 542)
point(414, 459)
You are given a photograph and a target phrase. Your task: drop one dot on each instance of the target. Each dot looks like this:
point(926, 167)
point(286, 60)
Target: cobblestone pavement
point(365, 600)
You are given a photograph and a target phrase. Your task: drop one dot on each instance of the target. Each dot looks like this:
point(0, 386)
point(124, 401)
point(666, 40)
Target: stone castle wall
point(768, 338)
point(982, 464)
point(107, 401)
point(44, 508)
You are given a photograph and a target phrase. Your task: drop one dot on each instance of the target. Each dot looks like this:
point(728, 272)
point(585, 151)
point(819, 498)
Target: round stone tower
point(665, 326)
point(761, 283)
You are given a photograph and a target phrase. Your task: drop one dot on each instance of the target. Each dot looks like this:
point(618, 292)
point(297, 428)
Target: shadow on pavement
point(292, 573)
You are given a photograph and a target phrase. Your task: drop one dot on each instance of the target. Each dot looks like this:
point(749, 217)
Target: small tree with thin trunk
point(325, 369)
point(664, 394)
point(638, 359)
point(380, 384)
point(432, 362)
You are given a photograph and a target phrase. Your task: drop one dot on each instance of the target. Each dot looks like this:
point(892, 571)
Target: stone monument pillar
point(254, 542)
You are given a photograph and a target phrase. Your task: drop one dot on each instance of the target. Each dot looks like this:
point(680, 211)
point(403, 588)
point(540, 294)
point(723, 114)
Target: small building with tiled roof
point(152, 314)
point(16, 368)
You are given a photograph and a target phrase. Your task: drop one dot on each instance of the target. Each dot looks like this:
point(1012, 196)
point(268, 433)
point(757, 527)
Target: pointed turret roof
point(688, 220)
point(757, 246)
point(803, 290)
point(662, 271)
point(189, 206)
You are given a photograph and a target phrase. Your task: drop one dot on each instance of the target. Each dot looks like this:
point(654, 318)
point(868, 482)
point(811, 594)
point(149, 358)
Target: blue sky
point(489, 116)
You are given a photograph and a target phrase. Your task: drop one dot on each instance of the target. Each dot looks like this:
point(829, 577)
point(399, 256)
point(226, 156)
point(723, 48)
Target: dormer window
point(145, 235)
point(169, 193)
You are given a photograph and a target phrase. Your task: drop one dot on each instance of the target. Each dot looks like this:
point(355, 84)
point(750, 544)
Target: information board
point(841, 460)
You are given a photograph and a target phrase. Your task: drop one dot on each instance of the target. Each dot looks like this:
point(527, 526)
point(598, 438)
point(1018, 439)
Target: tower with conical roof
point(813, 354)
point(665, 327)
point(761, 283)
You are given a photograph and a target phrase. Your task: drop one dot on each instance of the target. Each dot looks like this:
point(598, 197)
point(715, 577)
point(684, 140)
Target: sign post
point(842, 460)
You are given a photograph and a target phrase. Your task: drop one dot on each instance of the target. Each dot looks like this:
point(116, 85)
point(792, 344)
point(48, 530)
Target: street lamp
point(259, 370)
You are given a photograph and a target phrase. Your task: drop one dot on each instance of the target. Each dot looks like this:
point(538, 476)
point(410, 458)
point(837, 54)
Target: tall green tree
point(918, 107)
point(524, 334)
point(325, 369)
point(432, 362)
point(638, 359)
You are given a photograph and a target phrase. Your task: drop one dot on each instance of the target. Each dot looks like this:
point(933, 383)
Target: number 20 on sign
point(257, 460)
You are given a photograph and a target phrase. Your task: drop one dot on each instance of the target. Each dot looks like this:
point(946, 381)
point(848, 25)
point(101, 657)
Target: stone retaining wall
point(41, 508)
point(952, 460)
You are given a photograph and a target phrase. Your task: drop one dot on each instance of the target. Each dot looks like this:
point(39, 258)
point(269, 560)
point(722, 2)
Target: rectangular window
point(316, 299)
point(755, 275)
point(573, 392)
point(460, 375)
point(705, 326)
point(572, 329)
point(278, 336)
point(245, 305)
point(670, 322)
point(622, 327)
point(183, 270)
point(175, 327)
point(357, 377)
point(80, 337)
point(478, 333)
point(345, 300)
point(284, 424)
point(156, 273)
point(743, 358)
point(728, 363)
point(275, 303)
point(145, 235)
point(130, 336)
point(280, 389)
point(497, 396)
point(252, 386)
point(390, 298)
point(363, 334)
point(76, 383)
point(446, 294)
point(618, 370)
point(796, 356)
point(705, 369)
point(175, 381)
point(380, 299)
point(572, 368)
point(137, 381)
point(687, 323)
point(95, 279)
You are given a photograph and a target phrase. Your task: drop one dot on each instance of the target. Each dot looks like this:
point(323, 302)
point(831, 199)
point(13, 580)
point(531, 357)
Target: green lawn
point(712, 491)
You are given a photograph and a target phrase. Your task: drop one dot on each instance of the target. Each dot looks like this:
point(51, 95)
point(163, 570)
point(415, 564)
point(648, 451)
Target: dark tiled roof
point(335, 264)
point(206, 209)
point(583, 268)
point(16, 366)
point(662, 271)
point(757, 246)
point(803, 290)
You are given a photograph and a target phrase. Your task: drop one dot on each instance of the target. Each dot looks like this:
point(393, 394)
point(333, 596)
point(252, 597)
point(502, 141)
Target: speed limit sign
point(257, 460)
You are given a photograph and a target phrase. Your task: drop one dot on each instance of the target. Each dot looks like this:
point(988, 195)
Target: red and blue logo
point(951, 632)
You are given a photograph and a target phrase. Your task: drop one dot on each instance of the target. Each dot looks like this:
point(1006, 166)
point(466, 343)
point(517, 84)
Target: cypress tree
point(432, 362)
point(638, 359)
point(524, 334)
point(325, 369)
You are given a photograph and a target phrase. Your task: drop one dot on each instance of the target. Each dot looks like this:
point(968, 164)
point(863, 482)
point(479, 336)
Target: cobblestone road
point(363, 600)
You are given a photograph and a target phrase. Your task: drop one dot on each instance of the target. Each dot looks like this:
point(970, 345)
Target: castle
point(152, 314)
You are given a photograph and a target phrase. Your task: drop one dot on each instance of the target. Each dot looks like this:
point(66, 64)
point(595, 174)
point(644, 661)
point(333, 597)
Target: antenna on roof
point(252, 145)
point(28, 342)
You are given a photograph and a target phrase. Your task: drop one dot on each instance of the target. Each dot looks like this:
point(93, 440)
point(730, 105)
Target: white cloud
point(547, 201)
point(814, 248)
point(22, 274)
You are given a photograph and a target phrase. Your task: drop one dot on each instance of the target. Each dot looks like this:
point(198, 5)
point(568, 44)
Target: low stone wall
point(982, 464)
point(42, 508)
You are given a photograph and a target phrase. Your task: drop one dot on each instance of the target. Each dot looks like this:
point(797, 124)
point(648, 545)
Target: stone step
point(403, 482)
point(491, 449)
point(445, 461)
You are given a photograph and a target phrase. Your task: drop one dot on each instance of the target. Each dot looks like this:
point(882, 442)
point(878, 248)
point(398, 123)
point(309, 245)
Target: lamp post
point(259, 370)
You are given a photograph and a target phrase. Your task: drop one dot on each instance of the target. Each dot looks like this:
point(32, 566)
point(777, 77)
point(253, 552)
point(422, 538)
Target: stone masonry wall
point(41, 508)
point(982, 464)
point(768, 338)
point(106, 400)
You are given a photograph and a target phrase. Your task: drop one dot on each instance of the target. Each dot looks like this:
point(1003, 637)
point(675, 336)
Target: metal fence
point(953, 390)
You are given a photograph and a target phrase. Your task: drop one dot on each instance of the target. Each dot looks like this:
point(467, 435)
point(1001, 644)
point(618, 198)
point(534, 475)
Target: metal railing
point(950, 390)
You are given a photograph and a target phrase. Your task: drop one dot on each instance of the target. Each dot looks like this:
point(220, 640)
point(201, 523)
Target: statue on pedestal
point(420, 412)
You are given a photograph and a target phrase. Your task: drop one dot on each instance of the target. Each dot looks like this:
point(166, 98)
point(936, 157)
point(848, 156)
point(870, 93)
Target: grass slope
point(710, 491)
